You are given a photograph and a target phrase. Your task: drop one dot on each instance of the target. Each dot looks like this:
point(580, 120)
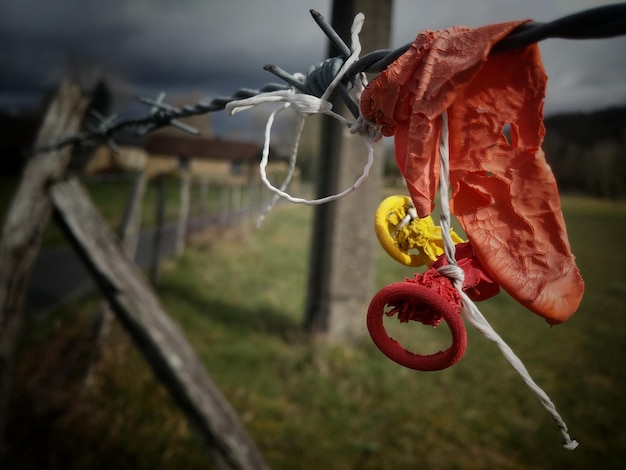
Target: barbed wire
point(596, 23)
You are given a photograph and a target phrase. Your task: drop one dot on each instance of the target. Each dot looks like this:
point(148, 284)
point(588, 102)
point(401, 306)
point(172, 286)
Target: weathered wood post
point(203, 201)
point(223, 204)
point(232, 204)
point(160, 339)
point(241, 211)
point(129, 238)
point(183, 210)
point(343, 242)
point(131, 223)
point(25, 223)
point(159, 216)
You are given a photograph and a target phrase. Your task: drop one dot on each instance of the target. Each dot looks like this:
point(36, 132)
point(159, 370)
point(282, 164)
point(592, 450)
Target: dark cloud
point(583, 75)
point(207, 45)
point(220, 46)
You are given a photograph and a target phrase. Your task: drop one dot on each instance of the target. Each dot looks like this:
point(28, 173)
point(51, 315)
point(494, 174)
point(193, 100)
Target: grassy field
point(309, 404)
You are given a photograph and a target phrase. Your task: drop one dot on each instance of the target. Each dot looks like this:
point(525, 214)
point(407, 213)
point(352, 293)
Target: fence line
point(120, 280)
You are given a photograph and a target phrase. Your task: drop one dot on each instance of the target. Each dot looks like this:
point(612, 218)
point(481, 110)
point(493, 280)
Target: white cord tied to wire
point(307, 105)
point(469, 310)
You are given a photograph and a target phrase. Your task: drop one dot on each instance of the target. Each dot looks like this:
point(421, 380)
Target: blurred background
point(239, 292)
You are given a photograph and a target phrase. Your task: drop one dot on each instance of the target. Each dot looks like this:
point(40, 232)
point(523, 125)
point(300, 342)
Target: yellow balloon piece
point(406, 238)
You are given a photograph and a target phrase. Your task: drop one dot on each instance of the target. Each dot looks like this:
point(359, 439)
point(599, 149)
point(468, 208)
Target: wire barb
point(331, 34)
point(159, 108)
point(103, 128)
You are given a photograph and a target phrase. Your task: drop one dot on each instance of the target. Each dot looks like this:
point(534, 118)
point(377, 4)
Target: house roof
point(202, 147)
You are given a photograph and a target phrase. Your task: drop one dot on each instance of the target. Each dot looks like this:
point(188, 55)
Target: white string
point(290, 169)
point(297, 200)
point(306, 105)
point(357, 25)
point(469, 310)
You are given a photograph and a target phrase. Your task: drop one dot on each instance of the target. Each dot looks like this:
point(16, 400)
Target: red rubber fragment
point(478, 284)
point(412, 300)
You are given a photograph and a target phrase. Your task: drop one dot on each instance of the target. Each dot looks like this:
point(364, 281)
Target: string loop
point(306, 105)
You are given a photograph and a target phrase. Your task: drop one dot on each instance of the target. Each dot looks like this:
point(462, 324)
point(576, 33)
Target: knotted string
point(306, 105)
point(468, 309)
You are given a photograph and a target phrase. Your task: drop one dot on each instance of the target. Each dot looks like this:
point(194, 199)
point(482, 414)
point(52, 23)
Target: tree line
point(587, 152)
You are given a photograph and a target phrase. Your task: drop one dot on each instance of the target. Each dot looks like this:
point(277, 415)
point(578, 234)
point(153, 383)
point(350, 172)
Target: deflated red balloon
point(503, 191)
point(477, 283)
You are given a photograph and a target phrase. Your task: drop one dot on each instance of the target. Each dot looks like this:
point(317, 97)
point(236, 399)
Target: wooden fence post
point(131, 223)
point(157, 336)
point(159, 213)
point(241, 206)
point(25, 224)
point(224, 204)
point(203, 201)
point(183, 211)
point(129, 238)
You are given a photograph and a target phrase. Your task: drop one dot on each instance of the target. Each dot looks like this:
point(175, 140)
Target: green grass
point(309, 404)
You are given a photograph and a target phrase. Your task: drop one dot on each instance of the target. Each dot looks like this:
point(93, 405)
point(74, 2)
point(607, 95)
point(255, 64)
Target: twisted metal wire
point(160, 117)
point(596, 23)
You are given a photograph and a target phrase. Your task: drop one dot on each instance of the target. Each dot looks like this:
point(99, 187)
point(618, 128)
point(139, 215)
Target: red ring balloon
point(393, 349)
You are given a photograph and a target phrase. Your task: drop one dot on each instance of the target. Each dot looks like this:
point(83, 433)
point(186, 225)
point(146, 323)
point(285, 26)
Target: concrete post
point(343, 244)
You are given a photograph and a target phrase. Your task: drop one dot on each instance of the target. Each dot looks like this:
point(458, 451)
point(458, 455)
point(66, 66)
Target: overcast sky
point(215, 47)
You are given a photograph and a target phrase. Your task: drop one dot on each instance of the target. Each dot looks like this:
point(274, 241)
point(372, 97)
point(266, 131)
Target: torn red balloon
point(503, 191)
point(477, 283)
